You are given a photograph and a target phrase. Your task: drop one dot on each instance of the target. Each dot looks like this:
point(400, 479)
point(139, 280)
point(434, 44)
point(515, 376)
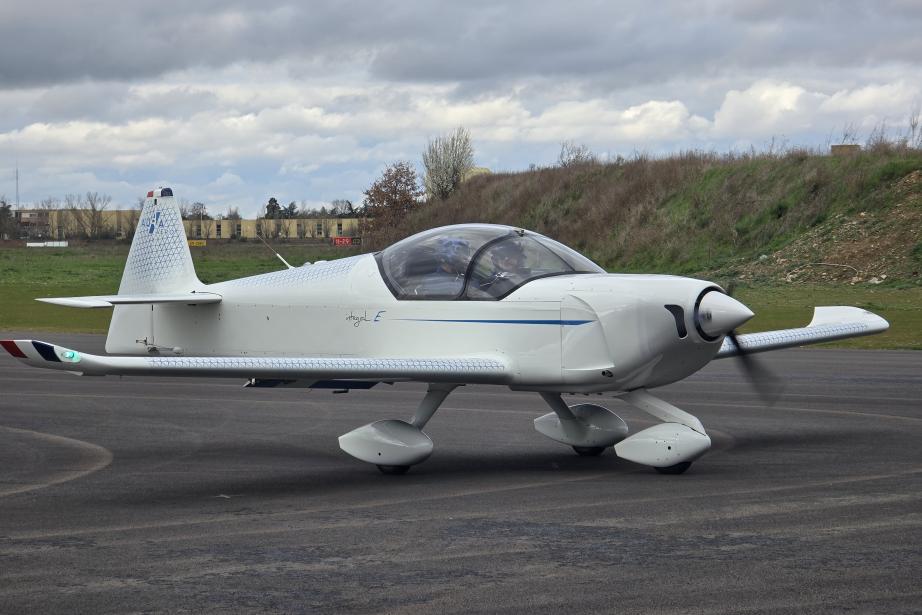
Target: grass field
point(96, 269)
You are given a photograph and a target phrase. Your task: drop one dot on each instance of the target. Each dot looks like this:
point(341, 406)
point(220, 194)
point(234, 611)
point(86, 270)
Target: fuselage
point(579, 332)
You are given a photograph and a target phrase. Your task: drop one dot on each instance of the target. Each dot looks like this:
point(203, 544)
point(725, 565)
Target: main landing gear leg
point(588, 428)
point(395, 445)
point(671, 446)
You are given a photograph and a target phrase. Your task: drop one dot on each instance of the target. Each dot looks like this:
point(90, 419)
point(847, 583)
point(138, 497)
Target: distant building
point(31, 223)
point(845, 149)
point(290, 228)
point(121, 223)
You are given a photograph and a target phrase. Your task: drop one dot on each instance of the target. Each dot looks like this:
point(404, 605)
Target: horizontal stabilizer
point(468, 369)
point(100, 301)
point(829, 323)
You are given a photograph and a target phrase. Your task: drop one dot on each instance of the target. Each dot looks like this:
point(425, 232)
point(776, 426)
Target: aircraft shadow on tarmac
point(300, 473)
point(235, 469)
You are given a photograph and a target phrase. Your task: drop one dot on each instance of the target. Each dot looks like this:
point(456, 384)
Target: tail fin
point(159, 260)
point(159, 263)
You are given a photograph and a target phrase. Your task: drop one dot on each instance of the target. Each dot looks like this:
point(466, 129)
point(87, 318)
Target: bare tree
point(96, 204)
point(74, 223)
point(207, 226)
point(342, 207)
point(447, 161)
point(49, 204)
point(129, 222)
point(572, 154)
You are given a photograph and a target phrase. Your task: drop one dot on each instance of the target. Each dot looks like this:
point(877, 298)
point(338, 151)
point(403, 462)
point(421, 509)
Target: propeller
point(766, 383)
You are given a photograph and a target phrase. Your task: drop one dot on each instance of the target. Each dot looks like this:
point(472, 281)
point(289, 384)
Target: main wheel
point(393, 469)
point(589, 451)
point(676, 469)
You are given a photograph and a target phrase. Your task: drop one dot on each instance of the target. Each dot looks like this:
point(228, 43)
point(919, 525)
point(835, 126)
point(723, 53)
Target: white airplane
point(464, 304)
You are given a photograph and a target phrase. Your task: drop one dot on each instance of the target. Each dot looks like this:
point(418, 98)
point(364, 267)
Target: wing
point(480, 370)
point(828, 324)
point(98, 301)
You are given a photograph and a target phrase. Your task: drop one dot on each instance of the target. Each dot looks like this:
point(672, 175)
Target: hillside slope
point(797, 216)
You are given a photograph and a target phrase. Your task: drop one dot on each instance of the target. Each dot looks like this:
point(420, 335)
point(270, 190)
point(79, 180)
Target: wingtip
point(11, 347)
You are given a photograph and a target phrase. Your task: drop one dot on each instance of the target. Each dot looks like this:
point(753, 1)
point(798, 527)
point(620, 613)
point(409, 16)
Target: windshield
point(474, 261)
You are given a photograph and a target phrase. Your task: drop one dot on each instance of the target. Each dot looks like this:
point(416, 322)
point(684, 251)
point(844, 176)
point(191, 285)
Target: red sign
point(347, 241)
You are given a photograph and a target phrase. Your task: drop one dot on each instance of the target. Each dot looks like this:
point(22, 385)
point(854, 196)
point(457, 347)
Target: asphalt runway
point(144, 494)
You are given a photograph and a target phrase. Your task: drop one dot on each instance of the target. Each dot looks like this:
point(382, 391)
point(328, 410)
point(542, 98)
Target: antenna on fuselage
point(274, 252)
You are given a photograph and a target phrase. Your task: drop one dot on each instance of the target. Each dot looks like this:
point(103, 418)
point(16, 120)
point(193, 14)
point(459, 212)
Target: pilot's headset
point(509, 248)
point(456, 253)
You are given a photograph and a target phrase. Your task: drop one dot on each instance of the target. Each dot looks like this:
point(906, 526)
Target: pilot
point(453, 256)
point(508, 259)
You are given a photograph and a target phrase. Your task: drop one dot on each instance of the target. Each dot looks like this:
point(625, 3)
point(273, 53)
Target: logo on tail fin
point(153, 223)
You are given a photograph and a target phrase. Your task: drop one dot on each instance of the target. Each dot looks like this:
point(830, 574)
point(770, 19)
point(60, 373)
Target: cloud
point(232, 101)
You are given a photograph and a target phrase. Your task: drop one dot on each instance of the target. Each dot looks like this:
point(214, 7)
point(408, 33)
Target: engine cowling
point(645, 331)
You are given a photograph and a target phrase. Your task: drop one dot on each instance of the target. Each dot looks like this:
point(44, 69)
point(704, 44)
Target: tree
point(198, 211)
point(273, 209)
point(85, 216)
point(290, 211)
point(49, 204)
point(391, 197)
point(572, 154)
point(447, 160)
point(342, 208)
point(396, 191)
point(232, 214)
point(7, 225)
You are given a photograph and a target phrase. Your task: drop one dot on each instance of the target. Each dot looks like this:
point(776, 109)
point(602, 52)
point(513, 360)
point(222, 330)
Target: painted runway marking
point(94, 458)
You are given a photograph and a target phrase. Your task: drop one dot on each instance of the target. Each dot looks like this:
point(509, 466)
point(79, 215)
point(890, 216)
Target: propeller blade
point(769, 386)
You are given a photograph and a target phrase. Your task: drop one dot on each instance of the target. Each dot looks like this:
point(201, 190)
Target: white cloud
point(894, 99)
point(217, 136)
point(765, 108)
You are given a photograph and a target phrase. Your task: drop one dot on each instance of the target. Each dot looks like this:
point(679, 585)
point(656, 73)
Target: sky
point(230, 103)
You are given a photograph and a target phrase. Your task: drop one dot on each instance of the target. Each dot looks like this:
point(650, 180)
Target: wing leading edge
point(829, 324)
point(484, 370)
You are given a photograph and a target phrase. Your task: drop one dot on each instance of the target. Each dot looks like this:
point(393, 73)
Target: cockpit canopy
point(480, 262)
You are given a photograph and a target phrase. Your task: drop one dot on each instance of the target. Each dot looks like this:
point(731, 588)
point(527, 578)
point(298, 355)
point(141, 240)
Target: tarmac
point(191, 495)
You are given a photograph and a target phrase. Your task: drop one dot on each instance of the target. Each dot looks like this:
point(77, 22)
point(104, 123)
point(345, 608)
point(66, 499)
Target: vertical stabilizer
point(159, 260)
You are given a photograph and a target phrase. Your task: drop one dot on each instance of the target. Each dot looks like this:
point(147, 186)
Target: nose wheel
point(678, 468)
point(589, 451)
point(395, 470)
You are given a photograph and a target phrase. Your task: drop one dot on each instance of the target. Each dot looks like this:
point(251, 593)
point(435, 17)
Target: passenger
point(444, 276)
point(508, 260)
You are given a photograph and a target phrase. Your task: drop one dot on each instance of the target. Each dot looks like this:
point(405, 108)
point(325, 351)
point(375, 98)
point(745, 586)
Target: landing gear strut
point(395, 445)
point(671, 446)
point(588, 428)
